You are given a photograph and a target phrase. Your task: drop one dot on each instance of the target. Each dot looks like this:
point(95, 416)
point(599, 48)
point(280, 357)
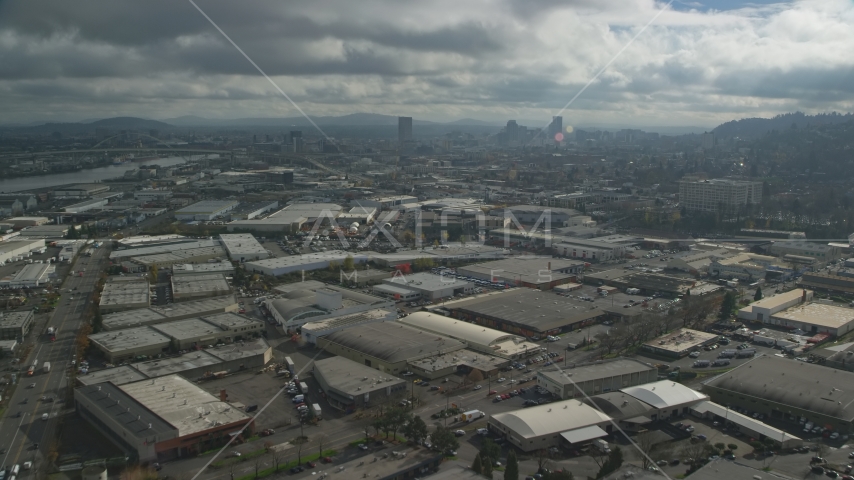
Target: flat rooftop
point(180, 256)
point(187, 328)
point(681, 340)
point(176, 365)
point(199, 284)
point(775, 301)
point(113, 402)
point(164, 247)
point(540, 311)
point(15, 319)
point(240, 350)
point(347, 320)
point(131, 338)
point(803, 385)
point(116, 375)
point(306, 259)
point(469, 358)
point(528, 269)
point(823, 315)
point(207, 207)
point(352, 378)
point(184, 405)
point(393, 342)
point(125, 291)
point(595, 371)
point(427, 281)
point(202, 268)
point(172, 311)
point(231, 321)
point(237, 244)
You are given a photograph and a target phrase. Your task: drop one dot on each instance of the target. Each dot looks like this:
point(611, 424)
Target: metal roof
point(550, 418)
point(458, 329)
point(664, 394)
point(393, 342)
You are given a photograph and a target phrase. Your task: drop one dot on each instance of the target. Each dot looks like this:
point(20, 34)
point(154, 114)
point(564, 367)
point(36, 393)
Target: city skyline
point(696, 64)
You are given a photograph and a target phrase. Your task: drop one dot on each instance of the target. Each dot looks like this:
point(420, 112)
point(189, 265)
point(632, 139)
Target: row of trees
point(413, 428)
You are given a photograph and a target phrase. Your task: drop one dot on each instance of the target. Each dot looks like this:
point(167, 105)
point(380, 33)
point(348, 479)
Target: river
point(93, 175)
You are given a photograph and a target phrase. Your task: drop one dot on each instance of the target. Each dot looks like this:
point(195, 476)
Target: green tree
point(415, 430)
point(612, 463)
point(444, 440)
point(487, 468)
point(349, 264)
point(396, 418)
point(758, 294)
point(476, 465)
point(511, 472)
point(490, 451)
point(727, 306)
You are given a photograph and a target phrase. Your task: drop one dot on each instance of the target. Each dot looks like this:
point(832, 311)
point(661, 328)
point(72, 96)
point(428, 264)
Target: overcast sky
point(698, 63)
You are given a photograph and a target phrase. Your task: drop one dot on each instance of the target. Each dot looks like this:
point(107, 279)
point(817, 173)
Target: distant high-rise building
point(296, 140)
point(404, 129)
point(556, 126)
point(512, 131)
point(708, 140)
point(718, 194)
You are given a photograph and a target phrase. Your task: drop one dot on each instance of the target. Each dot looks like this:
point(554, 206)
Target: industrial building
point(363, 278)
point(23, 222)
point(307, 262)
point(388, 203)
point(243, 247)
point(762, 310)
point(191, 333)
point(476, 337)
point(167, 313)
point(679, 343)
point(570, 422)
point(815, 318)
point(649, 283)
point(290, 219)
point(248, 211)
point(14, 250)
point(313, 330)
point(595, 378)
point(154, 247)
point(16, 325)
point(390, 346)
point(526, 312)
point(349, 385)
point(786, 390)
point(429, 286)
point(191, 255)
point(224, 268)
point(667, 399)
point(696, 261)
point(828, 282)
point(220, 360)
point(803, 251)
point(125, 293)
point(745, 424)
point(719, 193)
point(198, 286)
point(749, 267)
point(31, 275)
point(81, 190)
point(86, 205)
point(360, 215)
point(313, 301)
point(525, 272)
point(160, 419)
point(206, 210)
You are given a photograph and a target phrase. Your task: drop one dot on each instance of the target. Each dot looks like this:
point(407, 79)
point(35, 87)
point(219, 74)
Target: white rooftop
point(664, 394)
point(551, 418)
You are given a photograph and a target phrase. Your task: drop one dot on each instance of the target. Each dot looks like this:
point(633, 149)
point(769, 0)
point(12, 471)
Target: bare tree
point(645, 441)
point(299, 442)
point(279, 457)
point(542, 459)
point(321, 439)
point(258, 462)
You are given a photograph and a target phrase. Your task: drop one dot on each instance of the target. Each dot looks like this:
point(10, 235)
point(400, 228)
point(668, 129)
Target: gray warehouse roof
point(593, 371)
point(176, 365)
point(173, 311)
point(130, 338)
point(124, 409)
point(349, 377)
point(393, 342)
point(116, 375)
point(802, 385)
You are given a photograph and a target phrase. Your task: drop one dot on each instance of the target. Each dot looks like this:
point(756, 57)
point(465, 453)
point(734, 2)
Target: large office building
point(243, 247)
point(160, 419)
point(787, 390)
point(596, 378)
point(526, 312)
point(206, 210)
point(718, 194)
point(349, 385)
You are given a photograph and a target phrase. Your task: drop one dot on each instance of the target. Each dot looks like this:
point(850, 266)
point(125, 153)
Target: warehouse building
point(762, 310)
point(163, 245)
point(696, 261)
point(679, 343)
point(388, 203)
point(525, 272)
point(390, 346)
point(476, 337)
point(207, 331)
point(349, 385)
point(313, 301)
point(18, 249)
point(787, 390)
point(525, 312)
point(749, 267)
point(16, 325)
point(667, 399)
point(431, 287)
point(815, 318)
point(243, 247)
point(167, 313)
point(821, 252)
point(595, 378)
point(745, 424)
point(81, 190)
point(86, 205)
point(23, 222)
point(362, 278)
point(192, 255)
point(311, 331)
point(224, 268)
point(248, 211)
point(199, 286)
point(160, 419)
point(220, 360)
point(298, 263)
point(125, 293)
point(291, 218)
point(570, 423)
point(31, 275)
point(828, 282)
point(649, 283)
point(130, 343)
point(361, 215)
point(206, 210)
point(396, 293)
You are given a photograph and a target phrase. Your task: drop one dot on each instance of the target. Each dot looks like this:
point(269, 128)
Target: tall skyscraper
point(512, 131)
point(296, 140)
point(404, 129)
point(556, 126)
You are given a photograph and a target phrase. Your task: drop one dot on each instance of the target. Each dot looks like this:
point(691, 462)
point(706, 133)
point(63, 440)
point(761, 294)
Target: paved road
point(22, 425)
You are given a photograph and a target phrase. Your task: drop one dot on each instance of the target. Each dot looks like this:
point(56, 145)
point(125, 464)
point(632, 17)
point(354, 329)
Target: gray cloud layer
point(437, 59)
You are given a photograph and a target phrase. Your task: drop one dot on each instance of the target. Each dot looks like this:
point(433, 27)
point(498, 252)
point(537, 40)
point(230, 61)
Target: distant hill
point(353, 119)
point(76, 128)
point(128, 122)
point(755, 127)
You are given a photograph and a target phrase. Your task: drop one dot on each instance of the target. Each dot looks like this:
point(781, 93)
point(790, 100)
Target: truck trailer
point(46, 367)
point(315, 407)
point(471, 416)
